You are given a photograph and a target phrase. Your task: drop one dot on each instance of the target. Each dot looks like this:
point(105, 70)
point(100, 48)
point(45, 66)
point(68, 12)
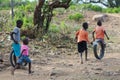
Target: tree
point(12, 6)
point(44, 12)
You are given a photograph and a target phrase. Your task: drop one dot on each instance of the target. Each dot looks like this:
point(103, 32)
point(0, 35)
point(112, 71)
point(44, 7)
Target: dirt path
point(69, 68)
point(114, 15)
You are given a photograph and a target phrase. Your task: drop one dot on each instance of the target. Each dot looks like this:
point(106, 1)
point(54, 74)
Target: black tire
point(99, 55)
point(13, 59)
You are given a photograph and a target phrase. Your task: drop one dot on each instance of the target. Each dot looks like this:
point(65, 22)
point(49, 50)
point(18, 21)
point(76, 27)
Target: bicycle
point(14, 55)
point(99, 49)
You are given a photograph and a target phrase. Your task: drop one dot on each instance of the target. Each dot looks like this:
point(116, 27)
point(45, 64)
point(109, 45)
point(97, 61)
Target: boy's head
point(99, 23)
point(25, 41)
point(85, 25)
point(19, 23)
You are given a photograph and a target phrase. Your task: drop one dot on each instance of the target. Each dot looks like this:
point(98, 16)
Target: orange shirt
point(82, 35)
point(99, 32)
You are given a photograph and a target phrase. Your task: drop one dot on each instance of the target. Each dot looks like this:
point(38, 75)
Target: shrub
point(96, 8)
point(108, 10)
point(54, 28)
point(72, 7)
point(115, 10)
point(76, 16)
point(111, 10)
point(87, 6)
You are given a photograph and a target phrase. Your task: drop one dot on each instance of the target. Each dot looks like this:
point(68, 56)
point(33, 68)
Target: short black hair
point(99, 23)
point(85, 25)
point(19, 23)
point(25, 41)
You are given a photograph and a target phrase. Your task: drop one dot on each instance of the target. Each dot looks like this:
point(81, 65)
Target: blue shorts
point(16, 48)
point(24, 58)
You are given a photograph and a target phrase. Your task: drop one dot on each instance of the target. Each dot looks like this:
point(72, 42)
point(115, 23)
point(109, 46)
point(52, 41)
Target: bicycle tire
point(101, 50)
point(13, 62)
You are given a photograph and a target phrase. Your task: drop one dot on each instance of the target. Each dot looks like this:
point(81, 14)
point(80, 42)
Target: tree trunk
point(12, 7)
point(38, 18)
point(117, 3)
point(43, 15)
point(111, 4)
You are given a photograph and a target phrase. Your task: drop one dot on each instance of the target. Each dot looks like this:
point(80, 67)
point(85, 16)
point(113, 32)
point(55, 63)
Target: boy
point(15, 36)
point(99, 32)
point(82, 39)
point(24, 56)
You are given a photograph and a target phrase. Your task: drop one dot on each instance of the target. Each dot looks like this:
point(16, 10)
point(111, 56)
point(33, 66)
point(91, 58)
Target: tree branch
point(99, 1)
point(58, 4)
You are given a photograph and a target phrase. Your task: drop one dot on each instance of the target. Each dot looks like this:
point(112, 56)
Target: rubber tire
point(12, 60)
point(101, 51)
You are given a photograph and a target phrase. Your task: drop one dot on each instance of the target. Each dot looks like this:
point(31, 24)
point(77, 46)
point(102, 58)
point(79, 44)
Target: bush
point(116, 10)
point(76, 16)
point(29, 8)
point(72, 7)
point(87, 6)
point(96, 8)
point(54, 28)
point(108, 10)
point(112, 10)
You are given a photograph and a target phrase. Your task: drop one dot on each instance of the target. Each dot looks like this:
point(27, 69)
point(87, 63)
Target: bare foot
point(87, 59)
point(81, 62)
point(30, 72)
point(1, 61)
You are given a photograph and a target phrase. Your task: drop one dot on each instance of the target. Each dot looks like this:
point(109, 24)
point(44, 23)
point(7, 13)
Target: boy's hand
point(76, 38)
point(16, 42)
point(93, 39)
point(91, 43)
point(19, 57)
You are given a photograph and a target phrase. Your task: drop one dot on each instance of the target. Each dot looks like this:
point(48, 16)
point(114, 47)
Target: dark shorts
point(24, 58)
point(82, 46)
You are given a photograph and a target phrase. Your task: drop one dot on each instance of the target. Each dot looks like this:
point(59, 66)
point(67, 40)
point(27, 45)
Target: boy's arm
point(87, 38)
point(21, 53)
point(106, 35)
point(76, 35)
point(93, 35)
point(13, 37)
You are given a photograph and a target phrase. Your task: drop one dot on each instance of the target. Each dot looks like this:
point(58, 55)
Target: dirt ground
point(50, 63)
point(62, 67)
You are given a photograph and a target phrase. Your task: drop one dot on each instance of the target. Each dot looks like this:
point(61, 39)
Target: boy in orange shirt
point(99, 32)
point(82, 39)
